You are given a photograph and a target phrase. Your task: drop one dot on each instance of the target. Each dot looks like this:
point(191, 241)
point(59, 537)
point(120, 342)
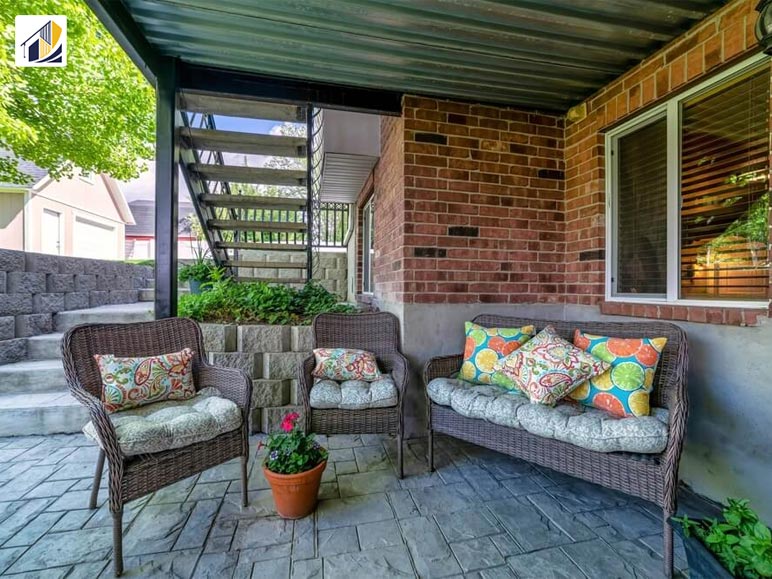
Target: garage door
point(94, 240)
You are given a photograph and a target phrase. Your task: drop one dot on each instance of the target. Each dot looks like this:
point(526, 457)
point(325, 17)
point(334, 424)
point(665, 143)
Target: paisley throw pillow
point(131, 382)
point(624, 389)
point(345, 364)
point(486, 346)
point(547, 368)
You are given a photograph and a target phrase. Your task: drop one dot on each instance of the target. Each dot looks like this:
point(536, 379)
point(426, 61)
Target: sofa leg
point(667, 537)
point(244, 483)
point(92, 503)
point(400, 471)
point(430, 444)
point(118, 543)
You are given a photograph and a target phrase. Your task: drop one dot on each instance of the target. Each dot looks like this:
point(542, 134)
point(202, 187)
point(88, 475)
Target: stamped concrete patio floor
point(480, 515)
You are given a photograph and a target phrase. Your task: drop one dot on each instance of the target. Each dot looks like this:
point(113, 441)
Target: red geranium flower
point(289, 421)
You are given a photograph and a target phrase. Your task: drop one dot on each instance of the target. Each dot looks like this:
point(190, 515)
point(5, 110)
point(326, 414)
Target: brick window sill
point(698, 314)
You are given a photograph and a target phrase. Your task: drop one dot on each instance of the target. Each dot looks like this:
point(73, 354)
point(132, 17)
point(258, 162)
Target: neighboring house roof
point(144, 219)
point(118, 199)
point(29, 168)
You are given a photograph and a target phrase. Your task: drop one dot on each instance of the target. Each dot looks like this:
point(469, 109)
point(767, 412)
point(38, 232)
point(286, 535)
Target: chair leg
point(118, 543)
point(431, 450)
point(92, 503)
point(400, 469)
point(667, 536)
point(244, 490)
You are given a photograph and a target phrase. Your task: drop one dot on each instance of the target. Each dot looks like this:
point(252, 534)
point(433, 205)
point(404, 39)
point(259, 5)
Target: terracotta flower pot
point(295, 495)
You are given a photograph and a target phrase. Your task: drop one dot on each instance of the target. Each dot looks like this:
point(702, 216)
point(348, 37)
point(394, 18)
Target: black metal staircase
point(238, 211)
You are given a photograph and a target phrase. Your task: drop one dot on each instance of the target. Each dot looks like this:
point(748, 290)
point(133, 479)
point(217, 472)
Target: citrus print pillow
point(485, 346)
point(131, 382)
point(548, 368)
point(624, 390)
point(345, 364)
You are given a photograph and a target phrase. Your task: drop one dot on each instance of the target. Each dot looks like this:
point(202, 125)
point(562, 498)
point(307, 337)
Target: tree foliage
point(97, 113)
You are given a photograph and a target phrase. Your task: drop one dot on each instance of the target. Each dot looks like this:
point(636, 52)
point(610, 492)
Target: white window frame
point(368, 216)
point(671, 110)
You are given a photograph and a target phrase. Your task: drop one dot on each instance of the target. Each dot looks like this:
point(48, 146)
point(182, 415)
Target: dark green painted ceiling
point(547, 54)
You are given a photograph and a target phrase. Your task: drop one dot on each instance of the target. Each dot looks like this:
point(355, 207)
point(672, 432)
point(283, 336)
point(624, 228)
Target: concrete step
point(48, 413)
point(146, 295)
point(44, 347)
point(121, 313)
point(32, 376)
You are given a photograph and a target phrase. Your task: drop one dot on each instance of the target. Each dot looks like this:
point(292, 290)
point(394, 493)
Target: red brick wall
point(483, 204)
point(720, 41)
point(389, 218)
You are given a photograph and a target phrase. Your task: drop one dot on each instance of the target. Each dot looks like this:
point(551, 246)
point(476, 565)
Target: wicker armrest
point(306, 380)
point(105, 430)
point(397, 364)
point(442, 367)
point(234, 384)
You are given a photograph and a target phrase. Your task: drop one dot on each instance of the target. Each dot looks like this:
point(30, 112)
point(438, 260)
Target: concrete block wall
point(35, 286)
point(271, 356)
point(330, 273)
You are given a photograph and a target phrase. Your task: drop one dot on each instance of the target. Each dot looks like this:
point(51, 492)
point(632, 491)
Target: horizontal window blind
point(724, 191)
point(641, 232)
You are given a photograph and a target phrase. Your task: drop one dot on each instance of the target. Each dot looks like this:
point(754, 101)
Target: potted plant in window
point(293, 467)
point(738, 546)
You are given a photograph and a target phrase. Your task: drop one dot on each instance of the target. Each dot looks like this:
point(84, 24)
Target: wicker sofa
point(653, 477)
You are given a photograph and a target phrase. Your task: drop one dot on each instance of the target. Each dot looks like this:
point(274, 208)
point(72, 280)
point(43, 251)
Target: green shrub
point(259, 303)
point(741, 541)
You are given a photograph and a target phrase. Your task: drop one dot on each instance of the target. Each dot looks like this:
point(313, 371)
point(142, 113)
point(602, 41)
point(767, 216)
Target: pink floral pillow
point(344, 364)
point(131, 382)
point(547, 368)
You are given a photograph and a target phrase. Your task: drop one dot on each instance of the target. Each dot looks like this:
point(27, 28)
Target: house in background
point(140, 237)
point(81, 216)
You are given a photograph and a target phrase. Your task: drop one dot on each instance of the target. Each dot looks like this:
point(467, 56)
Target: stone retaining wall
point(270, 355)
point(331, 270)
point(35, 286)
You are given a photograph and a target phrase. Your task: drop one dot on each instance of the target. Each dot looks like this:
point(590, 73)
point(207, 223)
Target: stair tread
point(271, 279)
point(55, 398)
point(31, 366)
point(245, 143)
point(252, 201)
point(57, 336)
point(255, 225)
point(259, 246)
point(258, 175)
point(264, 264)
point(241, 107)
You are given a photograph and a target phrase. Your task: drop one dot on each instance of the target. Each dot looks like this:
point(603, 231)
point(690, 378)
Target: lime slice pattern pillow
point(625, 389)
point(486, 346)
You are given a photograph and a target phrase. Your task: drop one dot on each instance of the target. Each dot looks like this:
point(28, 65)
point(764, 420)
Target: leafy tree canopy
point(97, 113)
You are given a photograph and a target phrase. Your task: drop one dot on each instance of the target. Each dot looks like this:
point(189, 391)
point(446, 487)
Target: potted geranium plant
point(293, 467)
point(738, 546)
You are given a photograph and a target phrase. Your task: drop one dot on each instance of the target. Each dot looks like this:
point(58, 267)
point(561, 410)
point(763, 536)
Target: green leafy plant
point(741, 542)
point(259, 303)
point(292, 451)
point(202, 271)
point(97, 113)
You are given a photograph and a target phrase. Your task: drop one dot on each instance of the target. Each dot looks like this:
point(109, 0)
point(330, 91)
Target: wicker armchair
point(374, 332)
point(653, 477)
point(131, 477)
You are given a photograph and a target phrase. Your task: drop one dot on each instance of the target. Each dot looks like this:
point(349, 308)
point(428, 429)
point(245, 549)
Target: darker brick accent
point(429, 252)
point(431, 138)
point(593, 255)
point(551, 174)
point(461, 231)
point(457, 119)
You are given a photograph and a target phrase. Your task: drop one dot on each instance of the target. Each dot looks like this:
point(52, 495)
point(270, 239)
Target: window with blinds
point(641, 230)
point(703, 160)
point(724, 191)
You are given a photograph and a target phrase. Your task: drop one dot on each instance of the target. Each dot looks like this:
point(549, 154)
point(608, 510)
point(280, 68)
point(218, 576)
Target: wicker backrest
point(671, 372)
point(375, 332)
point(80, 343)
